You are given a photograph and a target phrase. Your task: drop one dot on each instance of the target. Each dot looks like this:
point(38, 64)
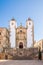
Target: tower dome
point(13, 19)
point(29, 19)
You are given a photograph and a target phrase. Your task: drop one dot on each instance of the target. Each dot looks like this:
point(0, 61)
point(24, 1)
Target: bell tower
point(30, 33)
point(13, 33)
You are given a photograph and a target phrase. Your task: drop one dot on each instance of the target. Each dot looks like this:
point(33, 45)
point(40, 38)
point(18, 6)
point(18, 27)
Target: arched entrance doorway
point(20, 45)
point(6, 57)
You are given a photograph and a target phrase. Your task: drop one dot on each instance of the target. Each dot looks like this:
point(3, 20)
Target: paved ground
point(21, 62)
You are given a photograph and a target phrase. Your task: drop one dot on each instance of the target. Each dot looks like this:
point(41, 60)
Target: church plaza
point(21, 62)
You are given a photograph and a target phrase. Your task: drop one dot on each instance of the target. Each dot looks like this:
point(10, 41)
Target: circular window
point(12, 23)
point(29, 23)
point(20, 30)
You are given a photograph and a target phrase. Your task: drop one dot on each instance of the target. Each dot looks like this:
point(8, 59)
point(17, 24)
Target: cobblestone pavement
point(21, 62)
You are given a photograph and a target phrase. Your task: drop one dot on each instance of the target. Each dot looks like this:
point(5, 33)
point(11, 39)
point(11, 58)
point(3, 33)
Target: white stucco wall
point(29, 34)
point(12, 34)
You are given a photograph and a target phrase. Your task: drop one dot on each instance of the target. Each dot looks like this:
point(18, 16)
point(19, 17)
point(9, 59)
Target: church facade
point(22, 37)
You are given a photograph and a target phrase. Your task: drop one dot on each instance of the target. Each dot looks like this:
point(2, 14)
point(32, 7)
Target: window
point(20, 30)
point(12, 23)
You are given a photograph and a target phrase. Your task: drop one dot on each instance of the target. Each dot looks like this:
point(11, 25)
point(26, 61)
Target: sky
point(21, 10)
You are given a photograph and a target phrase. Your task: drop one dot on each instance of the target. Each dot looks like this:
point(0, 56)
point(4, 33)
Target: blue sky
point(21, 10)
